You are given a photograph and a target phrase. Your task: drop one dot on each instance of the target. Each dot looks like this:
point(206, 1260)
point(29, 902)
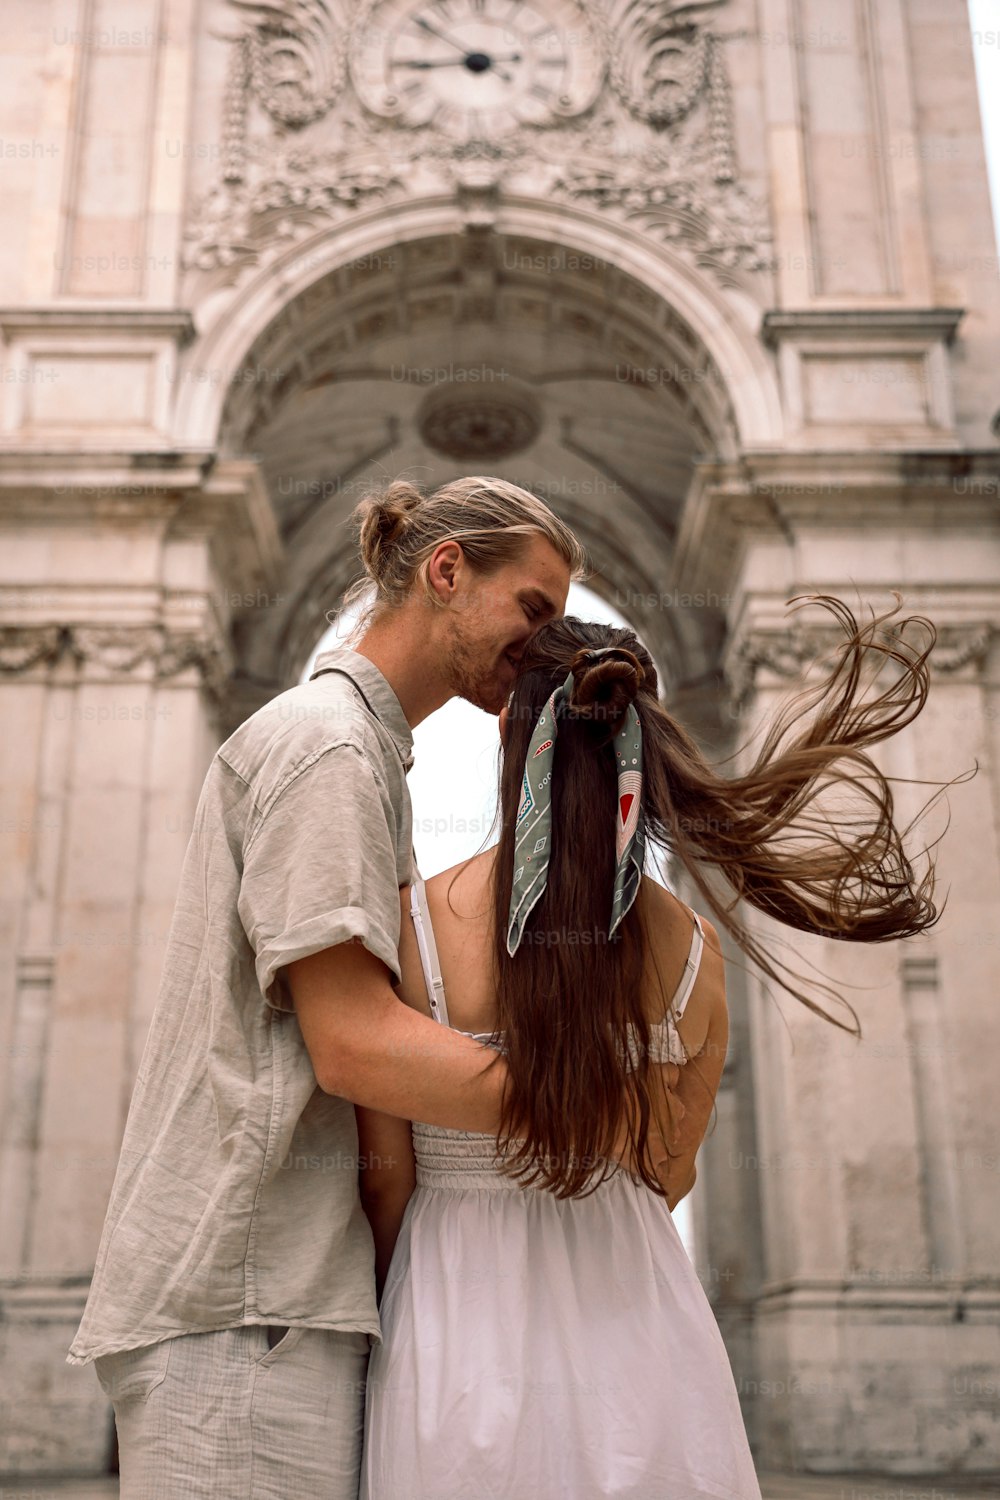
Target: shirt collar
point(376, 692)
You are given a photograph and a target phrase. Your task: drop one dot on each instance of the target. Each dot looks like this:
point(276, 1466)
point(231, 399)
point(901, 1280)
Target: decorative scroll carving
point(787, 652)
point(724, 235)
point(783, 652)
point(24, 646)
point(179, 652)
point(296, 55)
point(118, 649)
point(655, 148)
point(114, 648)
point(660, 60)
point(296, 193)
point(958, 645)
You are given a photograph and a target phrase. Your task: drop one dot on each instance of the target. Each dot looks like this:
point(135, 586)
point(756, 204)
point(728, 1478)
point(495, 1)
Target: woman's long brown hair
point(569, 999)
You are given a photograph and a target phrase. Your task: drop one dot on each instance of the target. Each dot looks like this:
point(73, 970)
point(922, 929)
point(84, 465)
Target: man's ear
point(443, 568)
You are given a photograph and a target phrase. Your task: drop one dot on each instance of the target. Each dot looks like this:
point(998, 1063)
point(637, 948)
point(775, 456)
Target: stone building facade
point(719, 282)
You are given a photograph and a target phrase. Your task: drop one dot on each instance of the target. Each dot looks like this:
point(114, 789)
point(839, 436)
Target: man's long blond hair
point(399, 529)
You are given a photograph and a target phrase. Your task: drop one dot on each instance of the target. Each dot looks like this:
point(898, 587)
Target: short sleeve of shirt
point(320, 869)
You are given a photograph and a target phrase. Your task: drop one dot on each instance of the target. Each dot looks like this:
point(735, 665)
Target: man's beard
point(471, 678)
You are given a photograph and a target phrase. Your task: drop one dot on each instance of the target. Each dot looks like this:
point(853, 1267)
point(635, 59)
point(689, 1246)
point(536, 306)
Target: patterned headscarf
point(533, 843)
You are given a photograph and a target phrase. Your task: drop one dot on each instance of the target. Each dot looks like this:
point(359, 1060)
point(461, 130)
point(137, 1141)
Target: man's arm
point(367, 1046)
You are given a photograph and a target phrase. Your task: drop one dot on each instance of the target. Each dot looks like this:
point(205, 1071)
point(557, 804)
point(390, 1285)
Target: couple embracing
point(392, 1217)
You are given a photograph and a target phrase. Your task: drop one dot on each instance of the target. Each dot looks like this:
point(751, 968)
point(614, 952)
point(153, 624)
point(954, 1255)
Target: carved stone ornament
point(294, 57)
point(311, 128)
point(24, 646)
point(292, 193)
point(113, 648)
point(959, 645)
point(787, 652)
point(782, 652)
point(661, 61)
point(117, 649)
point(470, 425)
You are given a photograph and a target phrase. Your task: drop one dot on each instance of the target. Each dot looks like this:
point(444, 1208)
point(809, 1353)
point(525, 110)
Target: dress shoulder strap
point(690, 974)
point(428, 952)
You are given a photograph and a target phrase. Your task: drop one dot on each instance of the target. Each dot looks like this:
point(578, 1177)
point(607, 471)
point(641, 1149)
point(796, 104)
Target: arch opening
point(493, 352)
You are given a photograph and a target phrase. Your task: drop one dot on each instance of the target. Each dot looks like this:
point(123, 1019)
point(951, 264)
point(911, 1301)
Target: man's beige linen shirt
point(236, 1199)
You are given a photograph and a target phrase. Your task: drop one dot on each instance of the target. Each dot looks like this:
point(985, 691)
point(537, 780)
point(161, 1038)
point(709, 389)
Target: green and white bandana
point(534, 817)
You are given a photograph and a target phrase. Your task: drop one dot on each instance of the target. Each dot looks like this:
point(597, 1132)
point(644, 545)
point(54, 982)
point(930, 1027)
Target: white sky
point(984, 19)
point(453, 779)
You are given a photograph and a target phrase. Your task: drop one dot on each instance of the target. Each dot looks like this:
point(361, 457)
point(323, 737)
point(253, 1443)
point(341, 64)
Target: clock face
point(476, 68)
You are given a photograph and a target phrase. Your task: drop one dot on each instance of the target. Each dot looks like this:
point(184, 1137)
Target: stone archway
point(549, 347)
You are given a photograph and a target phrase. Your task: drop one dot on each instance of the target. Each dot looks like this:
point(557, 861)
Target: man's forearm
point(410, 1066)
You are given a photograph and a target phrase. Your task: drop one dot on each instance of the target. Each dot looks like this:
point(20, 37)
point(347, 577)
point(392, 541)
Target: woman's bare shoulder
point(462, 888)
point(663, 904)
point(670, 931)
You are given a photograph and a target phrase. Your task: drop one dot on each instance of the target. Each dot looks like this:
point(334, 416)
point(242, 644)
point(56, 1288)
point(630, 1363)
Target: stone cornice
point(921, 324)
point(188, 492)
point(871, 477)
point(74, 474)
point(177, 324)
point(730, 505)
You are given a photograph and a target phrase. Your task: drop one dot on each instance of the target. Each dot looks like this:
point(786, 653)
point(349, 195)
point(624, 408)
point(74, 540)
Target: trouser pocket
point(277, 1342)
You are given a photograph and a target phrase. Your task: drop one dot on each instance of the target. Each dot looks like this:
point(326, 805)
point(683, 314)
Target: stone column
point(724, 1204)
point(121, 580)
point(874, 1159)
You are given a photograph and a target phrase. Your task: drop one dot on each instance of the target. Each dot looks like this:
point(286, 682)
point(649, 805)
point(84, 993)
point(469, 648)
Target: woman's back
point(461, 910)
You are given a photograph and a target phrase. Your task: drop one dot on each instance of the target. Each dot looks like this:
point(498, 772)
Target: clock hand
point(444, 37)
point(426, 26)
point(450, 62)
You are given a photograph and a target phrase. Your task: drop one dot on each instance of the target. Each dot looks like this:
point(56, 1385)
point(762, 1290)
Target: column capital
point(786, 650)
point(108, 653)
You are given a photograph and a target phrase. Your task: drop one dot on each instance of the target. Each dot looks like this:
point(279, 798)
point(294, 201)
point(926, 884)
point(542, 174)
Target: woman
point(544, 1332)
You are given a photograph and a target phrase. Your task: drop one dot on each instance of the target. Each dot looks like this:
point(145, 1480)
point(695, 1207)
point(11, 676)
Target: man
point(233, 1301)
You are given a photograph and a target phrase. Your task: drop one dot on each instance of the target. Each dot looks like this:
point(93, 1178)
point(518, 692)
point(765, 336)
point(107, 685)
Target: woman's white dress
point(536, 1348)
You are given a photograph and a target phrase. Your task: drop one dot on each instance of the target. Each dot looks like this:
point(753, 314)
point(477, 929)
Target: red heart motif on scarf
point(625, 804)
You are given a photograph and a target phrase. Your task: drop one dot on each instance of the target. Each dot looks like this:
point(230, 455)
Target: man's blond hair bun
point(383, 520)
